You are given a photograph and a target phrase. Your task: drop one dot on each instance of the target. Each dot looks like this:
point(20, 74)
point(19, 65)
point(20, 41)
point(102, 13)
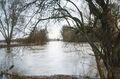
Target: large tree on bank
point(107, 33)
point(104, 22)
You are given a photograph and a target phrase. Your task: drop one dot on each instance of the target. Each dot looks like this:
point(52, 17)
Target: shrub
point(37, 37)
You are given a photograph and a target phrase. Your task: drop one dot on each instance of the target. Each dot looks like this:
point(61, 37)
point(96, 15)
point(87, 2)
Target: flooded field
point(56, 57)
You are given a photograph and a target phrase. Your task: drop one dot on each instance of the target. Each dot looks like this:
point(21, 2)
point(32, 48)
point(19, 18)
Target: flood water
point(56, 57)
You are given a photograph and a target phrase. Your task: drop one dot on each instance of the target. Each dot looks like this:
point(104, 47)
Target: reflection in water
point(52, 58)
point(6, 63)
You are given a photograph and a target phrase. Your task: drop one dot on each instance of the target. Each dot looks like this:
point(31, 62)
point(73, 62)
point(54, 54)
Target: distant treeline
point(35, 37)
point(72, 34)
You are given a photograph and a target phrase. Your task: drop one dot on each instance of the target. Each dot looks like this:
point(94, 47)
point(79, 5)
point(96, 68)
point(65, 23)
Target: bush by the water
point(37, 37)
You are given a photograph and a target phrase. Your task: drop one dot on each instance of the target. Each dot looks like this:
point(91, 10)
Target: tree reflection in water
point(7, 64)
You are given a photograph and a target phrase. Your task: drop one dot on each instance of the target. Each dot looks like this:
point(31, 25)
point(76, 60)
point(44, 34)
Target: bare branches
point(28, 5)
point(10, 14)
point(77, 9)
point(3, 29)
point(93, 9)
point(6, 17)
point(101, 3)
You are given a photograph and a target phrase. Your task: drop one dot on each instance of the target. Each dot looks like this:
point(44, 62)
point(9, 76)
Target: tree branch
point(6, 17)
point(93, 9)
point(3, 29)
point(77, 9)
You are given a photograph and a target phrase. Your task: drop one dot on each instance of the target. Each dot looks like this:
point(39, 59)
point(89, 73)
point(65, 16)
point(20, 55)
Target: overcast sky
point(54, 28)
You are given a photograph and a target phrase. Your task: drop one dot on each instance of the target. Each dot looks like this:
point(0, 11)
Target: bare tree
point(103, 20)
point(13, 15)
point(107, 15)
point(10, 14)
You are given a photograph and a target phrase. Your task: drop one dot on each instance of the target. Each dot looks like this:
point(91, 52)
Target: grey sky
point(55, 28)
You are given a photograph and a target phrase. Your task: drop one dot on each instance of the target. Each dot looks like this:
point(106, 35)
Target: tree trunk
point(8, 41)
point(115, 74)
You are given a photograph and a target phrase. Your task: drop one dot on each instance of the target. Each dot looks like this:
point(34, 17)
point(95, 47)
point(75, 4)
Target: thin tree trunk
point(8, 41)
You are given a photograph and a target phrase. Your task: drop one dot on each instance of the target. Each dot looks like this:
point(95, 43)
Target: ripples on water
point(55, 57)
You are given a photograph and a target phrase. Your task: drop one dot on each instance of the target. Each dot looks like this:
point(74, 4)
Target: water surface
point(55, 57)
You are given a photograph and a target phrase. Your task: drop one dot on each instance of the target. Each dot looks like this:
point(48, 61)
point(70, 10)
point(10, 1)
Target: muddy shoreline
point(51, 77)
